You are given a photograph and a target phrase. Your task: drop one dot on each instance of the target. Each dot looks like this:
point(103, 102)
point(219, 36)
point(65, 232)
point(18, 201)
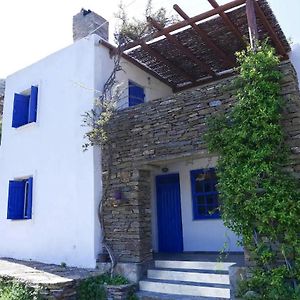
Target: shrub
point(93, 288)
point(11, 290)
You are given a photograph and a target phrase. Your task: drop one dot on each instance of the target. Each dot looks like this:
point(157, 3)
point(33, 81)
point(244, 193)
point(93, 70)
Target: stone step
point(197, 265)
point(185, 288)
point(188, 275)
point(142, 295)
point(224, 272)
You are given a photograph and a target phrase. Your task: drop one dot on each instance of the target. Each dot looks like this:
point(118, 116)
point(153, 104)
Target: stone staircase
point(171, 279)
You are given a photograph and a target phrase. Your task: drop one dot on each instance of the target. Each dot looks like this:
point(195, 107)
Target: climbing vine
point(259, 200)
point(97, 120)
point(99, 117)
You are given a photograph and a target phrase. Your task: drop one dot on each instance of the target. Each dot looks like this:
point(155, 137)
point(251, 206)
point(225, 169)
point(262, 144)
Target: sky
point(33, 29)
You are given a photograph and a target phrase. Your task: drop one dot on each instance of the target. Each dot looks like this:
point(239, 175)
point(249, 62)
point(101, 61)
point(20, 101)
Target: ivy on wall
point(259, 200)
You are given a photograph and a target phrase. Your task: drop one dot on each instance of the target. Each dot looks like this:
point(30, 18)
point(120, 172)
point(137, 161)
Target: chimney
point(87, 22)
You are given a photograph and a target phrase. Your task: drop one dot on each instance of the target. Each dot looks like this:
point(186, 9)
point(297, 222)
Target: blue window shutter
point(20, 112)
point(33, 104)
point(16, 192)
point(28, 206)
point(136, 94)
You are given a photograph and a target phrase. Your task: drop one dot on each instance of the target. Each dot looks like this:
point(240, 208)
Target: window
point(20, 199)
point(136, 94)
point(205, 194)
point(25, 108)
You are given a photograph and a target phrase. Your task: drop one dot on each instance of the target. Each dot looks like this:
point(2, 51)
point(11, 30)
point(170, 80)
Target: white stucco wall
point(295, 59)
point(67, 181)
point(153, 88)
point(198, 235)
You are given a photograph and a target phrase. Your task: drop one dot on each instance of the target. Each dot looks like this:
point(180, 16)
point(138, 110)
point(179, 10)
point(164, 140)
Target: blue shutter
point(33, 104)
point(20, 112)
point(16, 193)
point(28, 204)
point(136, 94)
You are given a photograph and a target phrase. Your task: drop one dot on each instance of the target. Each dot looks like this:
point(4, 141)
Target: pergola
point(201, 49)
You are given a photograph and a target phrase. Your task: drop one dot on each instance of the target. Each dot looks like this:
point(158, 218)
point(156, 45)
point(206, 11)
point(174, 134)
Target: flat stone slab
point(36, 273)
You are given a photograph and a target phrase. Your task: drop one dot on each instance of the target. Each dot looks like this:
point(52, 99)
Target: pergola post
point(252, 25)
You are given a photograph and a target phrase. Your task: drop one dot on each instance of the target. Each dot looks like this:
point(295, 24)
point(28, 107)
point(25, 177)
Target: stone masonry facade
point(162, 130)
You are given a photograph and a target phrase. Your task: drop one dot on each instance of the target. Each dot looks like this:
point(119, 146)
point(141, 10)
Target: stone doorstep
point(132, 271)
point(142, 295)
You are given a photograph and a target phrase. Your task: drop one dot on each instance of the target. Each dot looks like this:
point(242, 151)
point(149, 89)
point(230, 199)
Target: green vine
point(98, 118)
point(259, 200)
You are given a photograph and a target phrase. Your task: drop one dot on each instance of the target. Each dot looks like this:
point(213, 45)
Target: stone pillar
point(87, 22)
point(127, 221)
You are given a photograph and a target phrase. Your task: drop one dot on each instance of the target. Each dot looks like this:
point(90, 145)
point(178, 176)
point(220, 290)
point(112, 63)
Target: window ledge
point(25, 126)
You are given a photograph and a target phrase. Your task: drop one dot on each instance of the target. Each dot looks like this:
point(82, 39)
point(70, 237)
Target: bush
point(93, 288)
point(11, 290)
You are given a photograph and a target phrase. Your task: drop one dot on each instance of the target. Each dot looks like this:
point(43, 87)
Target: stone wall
point(128, 224)
point(163, 130)
point(52, 281)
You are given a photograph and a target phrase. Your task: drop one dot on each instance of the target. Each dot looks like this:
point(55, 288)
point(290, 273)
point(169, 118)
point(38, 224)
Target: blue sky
point(33, 29)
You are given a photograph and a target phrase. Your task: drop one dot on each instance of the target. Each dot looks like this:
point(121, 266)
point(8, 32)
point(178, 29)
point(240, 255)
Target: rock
point(251, 295)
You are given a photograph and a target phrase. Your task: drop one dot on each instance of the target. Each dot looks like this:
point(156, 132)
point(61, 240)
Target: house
point(162, 184)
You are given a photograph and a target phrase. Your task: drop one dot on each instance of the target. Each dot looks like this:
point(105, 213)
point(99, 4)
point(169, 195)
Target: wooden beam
point(227, 21)
point(228, 61)
point(186, 51)
point(184, 23)
point(280, 48)
point(167, 62)
point(252, 25)
point(136, 63)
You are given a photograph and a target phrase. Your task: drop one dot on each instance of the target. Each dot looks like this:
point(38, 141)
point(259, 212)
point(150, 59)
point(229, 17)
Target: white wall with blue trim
point(67, 184)
point(153, 88)
point(66, 181)
point(198, 235)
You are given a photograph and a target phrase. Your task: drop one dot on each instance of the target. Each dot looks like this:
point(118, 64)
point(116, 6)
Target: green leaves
point(11, 290)
point(93, 288)
point(256, 194)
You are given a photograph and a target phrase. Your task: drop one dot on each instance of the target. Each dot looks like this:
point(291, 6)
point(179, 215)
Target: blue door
point(169, 213)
